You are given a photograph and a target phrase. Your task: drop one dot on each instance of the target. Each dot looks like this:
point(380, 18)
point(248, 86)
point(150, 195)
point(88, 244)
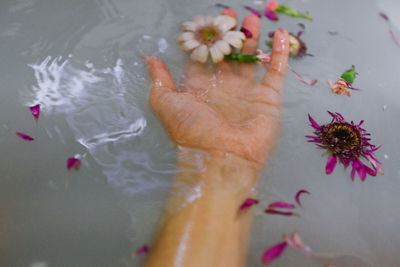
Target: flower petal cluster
point(347, 143)
point(210, 35)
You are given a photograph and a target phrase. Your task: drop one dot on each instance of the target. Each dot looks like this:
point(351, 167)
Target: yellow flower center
point(208, 34)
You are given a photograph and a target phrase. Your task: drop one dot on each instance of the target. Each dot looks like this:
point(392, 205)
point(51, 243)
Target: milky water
point(82, 61)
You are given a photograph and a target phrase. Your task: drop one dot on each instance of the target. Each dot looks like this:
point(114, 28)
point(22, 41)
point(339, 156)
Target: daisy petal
point(225, 23)
point(189, 26)
point(235, 39)
point(190, 44)
point(200, 54)
point(223, 46)
point(216, 54)
point(330, 165)
point(273, 252)
point(185, 36)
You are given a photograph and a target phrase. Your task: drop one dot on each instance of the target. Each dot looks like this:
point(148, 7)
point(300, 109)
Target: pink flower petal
point(254, 11)
point(248, 203)
point(297, 243)
point(35, 110)
point(73, 163)
point(299, 33)
point(222, 6)
point(299, 193)
point(304, 79)
point(394, 38)
point(284, 213)
point(273, 252)
point(143, 250)
point(384, 16)
point(281, 205)
point(24, 136)
point(271, 15)
point(330, 164)
point(246, 32)
point(314, 124)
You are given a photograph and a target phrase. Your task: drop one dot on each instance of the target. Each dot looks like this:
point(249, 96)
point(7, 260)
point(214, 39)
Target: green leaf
point(349, 75)
point(292, 12)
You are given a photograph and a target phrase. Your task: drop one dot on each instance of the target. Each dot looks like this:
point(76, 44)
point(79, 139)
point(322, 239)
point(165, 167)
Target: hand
point(227, 110)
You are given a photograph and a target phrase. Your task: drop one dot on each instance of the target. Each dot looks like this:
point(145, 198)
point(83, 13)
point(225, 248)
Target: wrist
point(218, 171)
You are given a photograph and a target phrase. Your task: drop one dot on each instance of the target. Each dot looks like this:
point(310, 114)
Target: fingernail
point(281, 30)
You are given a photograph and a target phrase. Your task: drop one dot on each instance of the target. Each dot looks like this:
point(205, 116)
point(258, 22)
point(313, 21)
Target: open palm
point(224, 110)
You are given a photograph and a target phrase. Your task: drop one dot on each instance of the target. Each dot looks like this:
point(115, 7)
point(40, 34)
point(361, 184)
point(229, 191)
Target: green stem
point(243, 58)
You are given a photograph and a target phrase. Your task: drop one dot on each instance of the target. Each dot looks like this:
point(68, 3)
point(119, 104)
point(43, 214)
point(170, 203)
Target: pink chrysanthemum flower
point(348, 143)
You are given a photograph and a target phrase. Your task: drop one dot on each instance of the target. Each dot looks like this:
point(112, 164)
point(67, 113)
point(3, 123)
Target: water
point(81, 60)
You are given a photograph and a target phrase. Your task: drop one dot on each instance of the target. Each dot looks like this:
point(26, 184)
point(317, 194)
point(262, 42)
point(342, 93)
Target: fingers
point(251, 23)
point(275, 76)
point(162, 83)
point(225, 66)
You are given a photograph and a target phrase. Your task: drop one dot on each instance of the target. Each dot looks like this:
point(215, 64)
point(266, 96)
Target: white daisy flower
point(210, 35)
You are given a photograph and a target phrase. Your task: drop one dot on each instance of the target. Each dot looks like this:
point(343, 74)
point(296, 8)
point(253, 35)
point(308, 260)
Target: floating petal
point(246, 32)
point(24, 136)
point(384, 16)
point(298, 194)
point(271, 15)
point(248, 203)
point(222, 6)
point(281, 204)
point(254, 11)
point(143, 250)
point(284, 213)
point(304, 79)
point(73, 163)
point(35, 110)
point(273, 252)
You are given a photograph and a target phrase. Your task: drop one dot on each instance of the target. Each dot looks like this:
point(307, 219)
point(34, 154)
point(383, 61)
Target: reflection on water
point(81, 61)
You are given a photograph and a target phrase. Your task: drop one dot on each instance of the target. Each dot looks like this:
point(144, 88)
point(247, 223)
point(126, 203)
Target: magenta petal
point(248, 203)
point(24, 136)
point(330, 165)
point(304, 79)
point(394, 38)
point(384, 16)
point(314, 124)
point(271, 15)
point(299, 33)
point(254, 11)
point(297, 197)
point(73, 163)
point(222, 6)
point(246, 32)
point(278, 212)
point(35, 110)
point(281, 204)
point(142, 250)
point(273, 252)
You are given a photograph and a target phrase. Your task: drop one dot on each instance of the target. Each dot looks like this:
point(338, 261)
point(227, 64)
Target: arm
point(202, 226)
point(224, 138)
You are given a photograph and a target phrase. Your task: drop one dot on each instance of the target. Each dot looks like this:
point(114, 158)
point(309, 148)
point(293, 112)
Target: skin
point(225, 124)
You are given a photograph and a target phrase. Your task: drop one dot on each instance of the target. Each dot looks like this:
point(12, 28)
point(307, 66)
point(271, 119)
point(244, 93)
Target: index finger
point(275, 77)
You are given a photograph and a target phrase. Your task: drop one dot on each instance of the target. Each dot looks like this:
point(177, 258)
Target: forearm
point(202, 225)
